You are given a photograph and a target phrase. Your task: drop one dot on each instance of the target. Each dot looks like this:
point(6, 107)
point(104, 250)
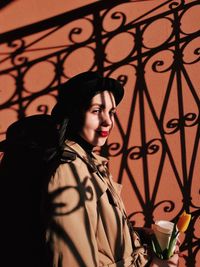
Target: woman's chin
point(100, 142)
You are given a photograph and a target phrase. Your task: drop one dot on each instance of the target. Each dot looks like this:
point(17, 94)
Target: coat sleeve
point(70, 236)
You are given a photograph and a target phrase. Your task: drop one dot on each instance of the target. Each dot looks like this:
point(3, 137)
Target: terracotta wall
point(152, 47)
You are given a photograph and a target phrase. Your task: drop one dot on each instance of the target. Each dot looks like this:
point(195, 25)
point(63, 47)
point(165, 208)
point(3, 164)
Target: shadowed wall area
point(152, 48)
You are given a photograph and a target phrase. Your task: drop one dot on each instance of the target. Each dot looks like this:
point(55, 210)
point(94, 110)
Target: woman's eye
point(96, 111)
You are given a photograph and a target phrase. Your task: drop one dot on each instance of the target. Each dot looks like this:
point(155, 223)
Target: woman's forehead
point(105, 98)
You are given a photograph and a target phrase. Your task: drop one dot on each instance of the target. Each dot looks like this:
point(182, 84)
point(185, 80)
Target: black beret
point(83, 87)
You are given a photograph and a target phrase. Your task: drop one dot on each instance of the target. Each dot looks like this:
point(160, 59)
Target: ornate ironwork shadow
point(87, 33)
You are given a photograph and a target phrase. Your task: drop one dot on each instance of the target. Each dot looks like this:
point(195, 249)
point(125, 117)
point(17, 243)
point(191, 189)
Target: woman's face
point(99, 119)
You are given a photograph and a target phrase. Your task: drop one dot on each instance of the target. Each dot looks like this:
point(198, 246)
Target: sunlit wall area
point(152, 48)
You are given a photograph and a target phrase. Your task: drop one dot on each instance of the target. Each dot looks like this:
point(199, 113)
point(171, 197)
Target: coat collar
point(81, 153)
point(96, 164)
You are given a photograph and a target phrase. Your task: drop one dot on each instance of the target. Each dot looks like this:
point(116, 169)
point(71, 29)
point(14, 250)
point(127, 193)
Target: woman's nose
point(107, 120)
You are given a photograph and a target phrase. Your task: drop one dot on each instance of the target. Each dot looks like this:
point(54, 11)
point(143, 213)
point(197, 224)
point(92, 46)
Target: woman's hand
point(145, 235)
point(172, 262)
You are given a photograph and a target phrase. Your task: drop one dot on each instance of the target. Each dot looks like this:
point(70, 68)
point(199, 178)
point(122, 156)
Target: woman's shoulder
point(72, 159)
point(68, 156)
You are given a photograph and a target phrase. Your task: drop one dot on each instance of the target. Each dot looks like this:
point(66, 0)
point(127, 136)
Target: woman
point(88, 225)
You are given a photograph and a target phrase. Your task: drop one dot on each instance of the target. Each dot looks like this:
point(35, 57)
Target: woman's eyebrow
point(98, 104)
point(101, 106)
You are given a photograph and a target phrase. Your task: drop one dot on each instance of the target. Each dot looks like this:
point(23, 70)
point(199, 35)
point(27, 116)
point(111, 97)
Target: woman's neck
point(83, 143)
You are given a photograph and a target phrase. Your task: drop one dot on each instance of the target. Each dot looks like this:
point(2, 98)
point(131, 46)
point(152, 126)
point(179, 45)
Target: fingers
point(172, 262)
point(178, 242)
point(176, 251)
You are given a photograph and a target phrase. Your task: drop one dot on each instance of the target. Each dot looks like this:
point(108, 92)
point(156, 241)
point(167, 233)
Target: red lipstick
point(103, 133)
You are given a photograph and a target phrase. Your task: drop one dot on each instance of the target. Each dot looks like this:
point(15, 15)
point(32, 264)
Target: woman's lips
point(103, 133)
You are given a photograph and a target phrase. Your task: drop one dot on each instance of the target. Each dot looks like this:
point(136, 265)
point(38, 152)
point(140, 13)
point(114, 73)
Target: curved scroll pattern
point(155, 146)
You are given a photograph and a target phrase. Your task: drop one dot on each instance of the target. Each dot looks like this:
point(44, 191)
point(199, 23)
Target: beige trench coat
point(88, 226)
